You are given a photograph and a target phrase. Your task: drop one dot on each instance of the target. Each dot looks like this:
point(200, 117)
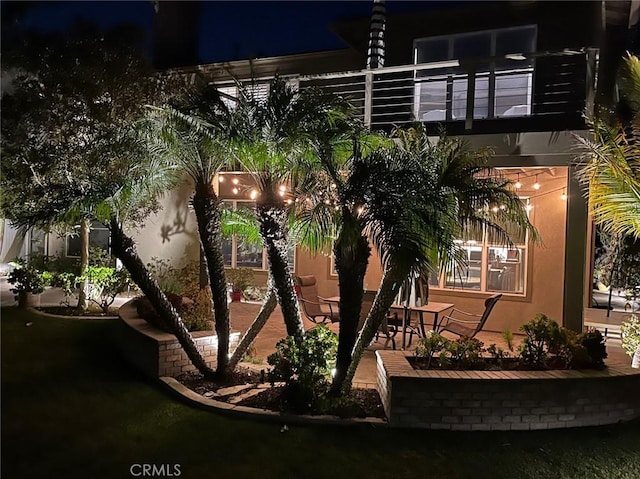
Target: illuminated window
point(503, 86)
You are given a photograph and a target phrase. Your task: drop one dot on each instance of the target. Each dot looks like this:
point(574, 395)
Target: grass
point(71, 408)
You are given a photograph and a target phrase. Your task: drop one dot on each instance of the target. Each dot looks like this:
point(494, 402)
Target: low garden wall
point(504, 400)
point(158, 353)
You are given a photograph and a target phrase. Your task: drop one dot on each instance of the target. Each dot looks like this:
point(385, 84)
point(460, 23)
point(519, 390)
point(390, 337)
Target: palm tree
point(272, 145)
point(194, 133)
point(416, 199)
point(609, 163)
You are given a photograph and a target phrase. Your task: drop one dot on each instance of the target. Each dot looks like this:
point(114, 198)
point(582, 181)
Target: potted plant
point(239, 279)
point(28, 284)
point(631, 339)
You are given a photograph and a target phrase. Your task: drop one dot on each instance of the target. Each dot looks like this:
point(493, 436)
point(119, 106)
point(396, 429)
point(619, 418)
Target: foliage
point(462, 353)
point(609, 165)
point(68, 282)
point(240, 279)
point(543, 339)
point(507, 335)
point(631, 334)
point(197, 315)
point(100, 257)
point(304, 364)
point(432, 344)
point(105, 284)
point(26, 278)
point(588, 350)
point(166, 275)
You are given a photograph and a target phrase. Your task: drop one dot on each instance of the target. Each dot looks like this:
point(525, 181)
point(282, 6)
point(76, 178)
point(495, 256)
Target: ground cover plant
point(72, 408)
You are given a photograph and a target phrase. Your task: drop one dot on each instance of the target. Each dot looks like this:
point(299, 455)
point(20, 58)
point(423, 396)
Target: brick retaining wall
point(158, 353)
point(504, 400)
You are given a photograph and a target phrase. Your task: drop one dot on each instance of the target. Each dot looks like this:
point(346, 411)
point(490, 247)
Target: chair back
point(489, 304)
point(309, 292)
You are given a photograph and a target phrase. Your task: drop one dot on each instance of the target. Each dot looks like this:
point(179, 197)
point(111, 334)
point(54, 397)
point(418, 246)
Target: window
point(489, 267)
point(99, 237)
point(228, 93)
point(503, 86)
point(238, 254)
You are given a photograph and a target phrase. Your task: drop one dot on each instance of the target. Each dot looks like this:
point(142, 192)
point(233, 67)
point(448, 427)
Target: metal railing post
point(471, 94)
point(368, 98)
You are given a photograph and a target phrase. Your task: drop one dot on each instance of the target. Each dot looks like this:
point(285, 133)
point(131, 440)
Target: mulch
point(361, 402)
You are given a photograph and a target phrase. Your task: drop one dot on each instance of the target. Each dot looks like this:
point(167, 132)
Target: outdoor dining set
point(406, 316)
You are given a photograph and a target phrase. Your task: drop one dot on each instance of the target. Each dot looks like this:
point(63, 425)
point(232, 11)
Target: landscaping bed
point(73, 311)
point(247, 387)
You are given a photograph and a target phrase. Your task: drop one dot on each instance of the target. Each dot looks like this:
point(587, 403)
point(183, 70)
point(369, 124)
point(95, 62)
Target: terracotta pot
point(236, 296)
point(28, 300)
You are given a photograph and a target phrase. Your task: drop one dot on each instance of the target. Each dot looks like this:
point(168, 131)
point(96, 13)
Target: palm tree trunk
point(267, 308)
point(206, 206)
point(84, 263)
point(352, 259)
point(389, 286)
point(272, 219)
point(124, 249)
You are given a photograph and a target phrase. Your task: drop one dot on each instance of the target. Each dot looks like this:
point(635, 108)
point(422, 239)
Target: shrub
point(462, 353)
point(240, 279)
point(545, 344)
point(305, 366)
point(100, 257)
point(631, 334)
point(167, 276)
point(105, 284)
point(594, 347)
point(28, 279)
point(198, 316)
point(68, 282)
point(432, 344)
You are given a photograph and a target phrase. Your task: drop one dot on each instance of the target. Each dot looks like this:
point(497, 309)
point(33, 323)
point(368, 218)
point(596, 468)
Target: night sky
point(228, 30)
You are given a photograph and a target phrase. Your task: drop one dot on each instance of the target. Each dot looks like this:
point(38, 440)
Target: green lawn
point(71, 408)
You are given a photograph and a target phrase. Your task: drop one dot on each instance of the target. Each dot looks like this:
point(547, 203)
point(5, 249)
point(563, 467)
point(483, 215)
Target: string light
point(235, 181)
point(536, 185)
point(221, 179)
point(518, 185)
point(563, 196)
point(235, 191)
point(253, 195)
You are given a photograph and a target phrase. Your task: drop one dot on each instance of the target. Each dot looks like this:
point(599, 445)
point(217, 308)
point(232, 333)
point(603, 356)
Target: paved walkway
point(242, 314)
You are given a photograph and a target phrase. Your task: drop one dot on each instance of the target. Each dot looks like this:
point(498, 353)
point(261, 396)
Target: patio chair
point(315, 307)
point(472, 324)
point(390, 325)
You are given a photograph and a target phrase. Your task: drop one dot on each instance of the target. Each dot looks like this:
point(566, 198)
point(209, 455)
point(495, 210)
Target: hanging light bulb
point(518, 185)
point(221, 178)
point(253, 195)
point(235, 181)
point(235, 191)
point(536, 185)
point(563, 196)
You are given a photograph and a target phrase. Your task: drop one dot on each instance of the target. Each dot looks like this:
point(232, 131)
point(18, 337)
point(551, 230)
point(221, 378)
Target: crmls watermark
point(155, 470)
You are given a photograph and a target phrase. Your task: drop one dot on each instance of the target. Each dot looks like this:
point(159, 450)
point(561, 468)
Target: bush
point(545, 345)
point(305, 367)
point(105, 284)
point(240, 279)
point(68, 282)
point(167, 276)
point(27, 279)
point(198, 316)
point(432, 344)
point(631, 335)
point(463, 353)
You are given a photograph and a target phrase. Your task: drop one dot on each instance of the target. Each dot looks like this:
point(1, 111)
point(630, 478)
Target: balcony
point(543, 91)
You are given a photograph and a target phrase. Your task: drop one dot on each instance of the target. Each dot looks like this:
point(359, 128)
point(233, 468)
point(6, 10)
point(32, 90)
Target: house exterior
point(517, 77)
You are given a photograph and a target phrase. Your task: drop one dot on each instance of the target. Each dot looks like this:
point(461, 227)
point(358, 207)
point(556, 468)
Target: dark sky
point(228, 29)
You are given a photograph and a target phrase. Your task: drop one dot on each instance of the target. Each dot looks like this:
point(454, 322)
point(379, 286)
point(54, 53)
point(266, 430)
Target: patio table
point(431, 307)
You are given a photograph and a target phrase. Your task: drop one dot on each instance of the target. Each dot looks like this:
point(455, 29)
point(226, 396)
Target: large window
point(503, 85)
point(489, 265)
point(239, 254)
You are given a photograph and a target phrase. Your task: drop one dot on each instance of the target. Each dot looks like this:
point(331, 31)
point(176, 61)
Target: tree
point(609, 164)
point(66, 101)
point(416, 199)
point(194, 133)
point(72, 148)
point(273, 145)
